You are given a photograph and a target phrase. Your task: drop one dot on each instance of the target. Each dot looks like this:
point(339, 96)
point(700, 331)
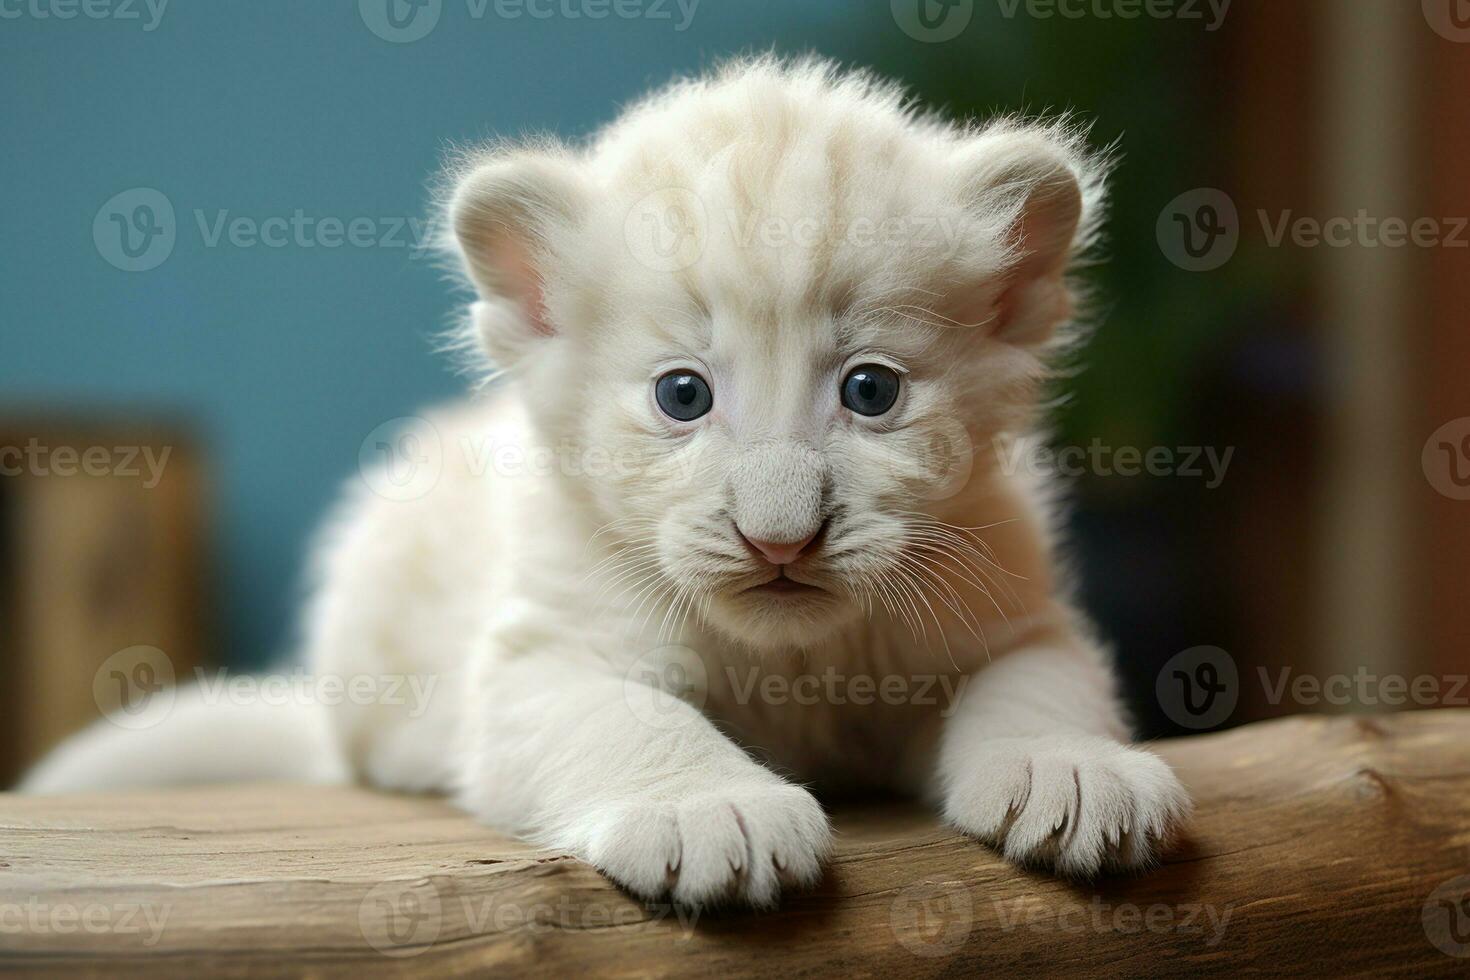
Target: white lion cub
point(745, 532)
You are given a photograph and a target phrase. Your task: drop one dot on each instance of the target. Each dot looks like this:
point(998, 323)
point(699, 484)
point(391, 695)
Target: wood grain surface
point(1327, 846)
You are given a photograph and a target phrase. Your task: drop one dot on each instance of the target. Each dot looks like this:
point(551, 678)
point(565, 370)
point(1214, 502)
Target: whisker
point(954, 602)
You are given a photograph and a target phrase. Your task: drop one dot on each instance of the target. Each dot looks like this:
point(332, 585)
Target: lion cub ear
point(509, 212)
point(1049, 192)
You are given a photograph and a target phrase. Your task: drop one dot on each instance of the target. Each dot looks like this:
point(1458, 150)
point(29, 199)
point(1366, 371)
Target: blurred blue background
point(284, 359)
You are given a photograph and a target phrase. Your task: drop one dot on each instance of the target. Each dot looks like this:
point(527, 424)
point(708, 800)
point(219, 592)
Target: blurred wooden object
point(1319, 846)
point(1441, 555)
point(101, 549)
point(1266, 398)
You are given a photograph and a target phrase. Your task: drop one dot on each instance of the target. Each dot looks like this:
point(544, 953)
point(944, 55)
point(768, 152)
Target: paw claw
point(714, 837)
point(1085, 801)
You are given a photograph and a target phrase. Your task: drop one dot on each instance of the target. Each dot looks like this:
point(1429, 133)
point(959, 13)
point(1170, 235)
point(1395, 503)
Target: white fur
point(201, 742)
point(553, 607)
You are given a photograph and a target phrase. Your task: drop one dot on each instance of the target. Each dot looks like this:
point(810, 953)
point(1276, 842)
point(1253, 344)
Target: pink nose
point(780, 552)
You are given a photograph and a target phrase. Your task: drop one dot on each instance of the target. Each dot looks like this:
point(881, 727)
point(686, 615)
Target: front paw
point(1070, 803)
point(735, 844)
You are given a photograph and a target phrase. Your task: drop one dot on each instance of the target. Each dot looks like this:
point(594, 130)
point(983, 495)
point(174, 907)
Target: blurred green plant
point(1147, 85)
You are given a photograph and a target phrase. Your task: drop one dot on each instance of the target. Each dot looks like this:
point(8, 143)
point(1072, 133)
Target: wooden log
point(1337, 846)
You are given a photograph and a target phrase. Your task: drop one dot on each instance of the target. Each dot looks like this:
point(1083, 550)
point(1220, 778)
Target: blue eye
point(683, 396)
point(870, 389)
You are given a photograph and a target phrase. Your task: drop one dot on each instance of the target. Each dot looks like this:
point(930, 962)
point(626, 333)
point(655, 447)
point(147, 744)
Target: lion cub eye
point(870, 389)
point(683, 396)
